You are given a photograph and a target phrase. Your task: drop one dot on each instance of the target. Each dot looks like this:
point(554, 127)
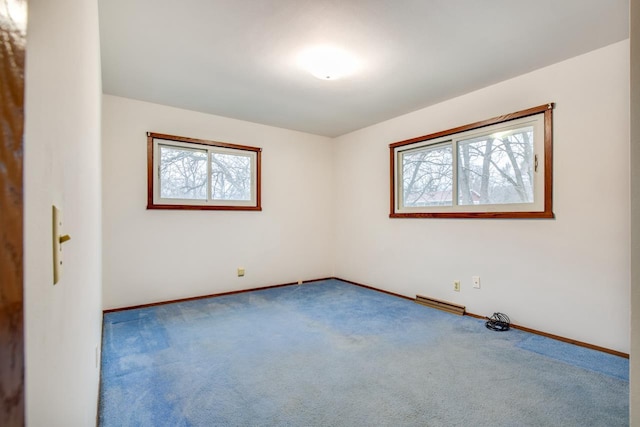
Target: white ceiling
point(237, 58)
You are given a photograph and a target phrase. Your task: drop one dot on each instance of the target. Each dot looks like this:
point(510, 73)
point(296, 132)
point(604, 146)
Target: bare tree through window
point(428, 177)
point(183, 173)
point(496, 169)
point(230, 177)
point(188, 173)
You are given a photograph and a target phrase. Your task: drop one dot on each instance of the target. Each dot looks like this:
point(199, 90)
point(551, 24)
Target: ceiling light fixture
point(327, 62)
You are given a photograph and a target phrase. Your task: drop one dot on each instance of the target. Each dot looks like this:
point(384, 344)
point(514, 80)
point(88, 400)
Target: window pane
point(230, 177)
point(427, 177)
point(183, 173)
point(497, 168)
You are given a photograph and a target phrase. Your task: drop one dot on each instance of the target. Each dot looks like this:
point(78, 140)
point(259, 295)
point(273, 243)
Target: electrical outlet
point(476, 281)
point(456, 286)
point(240, 272)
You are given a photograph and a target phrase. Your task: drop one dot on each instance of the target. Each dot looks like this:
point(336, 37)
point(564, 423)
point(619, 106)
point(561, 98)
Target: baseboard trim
point(563, 339)
point(374, 289)
point(153, 304)
point(522, 328)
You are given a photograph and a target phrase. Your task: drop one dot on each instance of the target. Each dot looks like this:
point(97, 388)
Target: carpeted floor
point(332, 354)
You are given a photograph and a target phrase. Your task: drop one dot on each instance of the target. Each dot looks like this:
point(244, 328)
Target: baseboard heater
point(441, 305)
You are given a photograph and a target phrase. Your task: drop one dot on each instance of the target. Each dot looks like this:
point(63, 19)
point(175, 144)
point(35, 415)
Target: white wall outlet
point(240, 272)
point(456, 285)
point(476, 281)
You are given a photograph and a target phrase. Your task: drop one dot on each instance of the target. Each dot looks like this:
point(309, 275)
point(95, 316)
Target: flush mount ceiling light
point(327, 62)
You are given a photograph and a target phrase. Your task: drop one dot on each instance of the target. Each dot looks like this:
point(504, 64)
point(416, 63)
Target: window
point(497, 168)
point(187, 173)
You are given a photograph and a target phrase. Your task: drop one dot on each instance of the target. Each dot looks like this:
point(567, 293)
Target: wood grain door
point(12, 55)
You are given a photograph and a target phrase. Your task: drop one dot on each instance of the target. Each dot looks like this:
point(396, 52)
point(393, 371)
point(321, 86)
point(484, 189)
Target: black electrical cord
point(498, 322)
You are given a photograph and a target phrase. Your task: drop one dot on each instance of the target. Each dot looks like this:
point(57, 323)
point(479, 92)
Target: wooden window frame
point(151, 204)
point(547, 211)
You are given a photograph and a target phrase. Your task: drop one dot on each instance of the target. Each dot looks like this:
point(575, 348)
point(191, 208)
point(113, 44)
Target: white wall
point(634, 386)
point(62, 167)
point(568, 276)
point(159, 255)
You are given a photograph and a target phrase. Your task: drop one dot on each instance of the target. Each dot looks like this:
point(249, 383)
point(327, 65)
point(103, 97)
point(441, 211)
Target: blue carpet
point(607, 364)
point(333, 354)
